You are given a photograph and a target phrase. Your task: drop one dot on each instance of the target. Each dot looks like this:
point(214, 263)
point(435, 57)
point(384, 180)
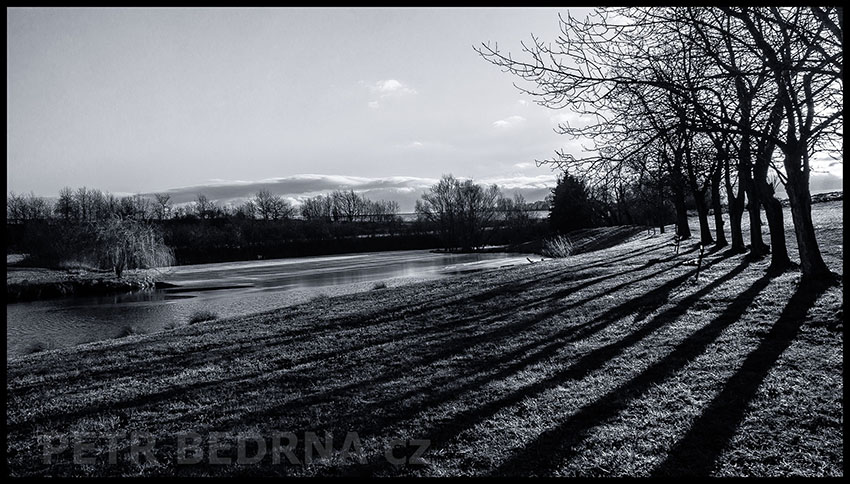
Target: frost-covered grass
point(558, 247)
point(608, 363)
point(202, 316)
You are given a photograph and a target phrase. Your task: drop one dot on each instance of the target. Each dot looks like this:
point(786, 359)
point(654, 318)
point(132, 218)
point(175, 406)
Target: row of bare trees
point(349, 206)
point(714, 101)
point(463, 212)
point(89, 205)
point(81, 205)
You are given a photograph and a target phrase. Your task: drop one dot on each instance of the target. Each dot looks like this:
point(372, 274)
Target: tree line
point(83, 224)
point(468, 216)
point(717, 105)
point(87, 205)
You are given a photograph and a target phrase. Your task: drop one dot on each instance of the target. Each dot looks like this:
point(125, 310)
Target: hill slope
point(615, 362)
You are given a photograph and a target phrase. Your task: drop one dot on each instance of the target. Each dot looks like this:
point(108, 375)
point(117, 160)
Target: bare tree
point(752, 80)
point(272, 207)
point(347, 204)
point(65, 206)
point(462, 210)
point(805, 62)
point(203, 208)
point(162, 207)
point(319, 207)
point(26, 208)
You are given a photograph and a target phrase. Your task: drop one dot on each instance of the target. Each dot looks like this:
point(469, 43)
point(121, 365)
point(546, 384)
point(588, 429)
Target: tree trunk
point(705, 237)
point(757, 246)
point(811, 261)
point(779, 260)
point(683, 230)
point(736, 213)
point(717, 208)
point(659, 212)
point(745, 179)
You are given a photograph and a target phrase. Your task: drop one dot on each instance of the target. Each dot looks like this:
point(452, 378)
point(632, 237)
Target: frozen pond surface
point(228, 289)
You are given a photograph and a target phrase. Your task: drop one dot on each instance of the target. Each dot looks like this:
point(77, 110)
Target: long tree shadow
point(445, 333)
point(551, 447)
point(516, 359)
point(386, 313)
point(696, 453)
point(442, 433)
point(454, 342)
point(167, 363)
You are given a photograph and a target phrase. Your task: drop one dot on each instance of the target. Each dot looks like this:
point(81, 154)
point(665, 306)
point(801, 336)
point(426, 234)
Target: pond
point(227, 289)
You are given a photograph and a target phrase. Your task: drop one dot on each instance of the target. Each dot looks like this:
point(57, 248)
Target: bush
point(114, 244)
point(52, 244)
point(379, 285)
point(201, 316)
point(130, 244)
point(37, 347)
point(558, 247)
point(128, 331)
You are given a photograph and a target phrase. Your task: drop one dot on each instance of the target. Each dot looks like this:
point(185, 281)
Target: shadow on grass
point(448, 338)
point(214, 352)
point(544, 454)
point(451, 341)
point(589, 240)
point(521, 358)
point(446, 334)
point(696, 453)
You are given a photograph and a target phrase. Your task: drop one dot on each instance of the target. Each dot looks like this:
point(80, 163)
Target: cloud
point(524, 164)
point(523, 102)
point(391, 87)
point(403, 189)
point(388, 88)
point(547, 181)
point(509, 122)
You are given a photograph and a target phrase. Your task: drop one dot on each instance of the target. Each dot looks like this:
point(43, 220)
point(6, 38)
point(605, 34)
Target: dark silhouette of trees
point(124, 243)
point(571, 205)
point(203, 207)
point(26, 208)
point(272, 207)
point(708, 94)
point(65, 206)
point(162, 206)
point(319, 207)
point(461, 211)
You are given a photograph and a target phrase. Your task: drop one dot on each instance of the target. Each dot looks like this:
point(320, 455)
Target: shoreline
point(24, 284)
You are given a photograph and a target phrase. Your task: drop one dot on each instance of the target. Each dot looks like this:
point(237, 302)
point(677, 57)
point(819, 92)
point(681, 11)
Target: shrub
point(37, 347)
point(201, 316)
point(380, 285)
point(558, 247)
point(128, 331)
point(130, 244)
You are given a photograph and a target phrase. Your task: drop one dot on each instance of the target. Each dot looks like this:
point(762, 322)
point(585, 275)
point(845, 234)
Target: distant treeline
point(91, 227)
point(265, 226)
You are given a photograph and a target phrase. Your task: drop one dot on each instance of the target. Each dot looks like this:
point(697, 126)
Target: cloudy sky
point(143, 100)
point(298, 100)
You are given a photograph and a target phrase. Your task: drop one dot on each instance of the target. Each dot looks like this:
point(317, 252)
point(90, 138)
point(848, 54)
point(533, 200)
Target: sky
point(222, 101)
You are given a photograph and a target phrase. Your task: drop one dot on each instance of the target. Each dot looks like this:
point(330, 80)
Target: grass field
point(608, 363)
